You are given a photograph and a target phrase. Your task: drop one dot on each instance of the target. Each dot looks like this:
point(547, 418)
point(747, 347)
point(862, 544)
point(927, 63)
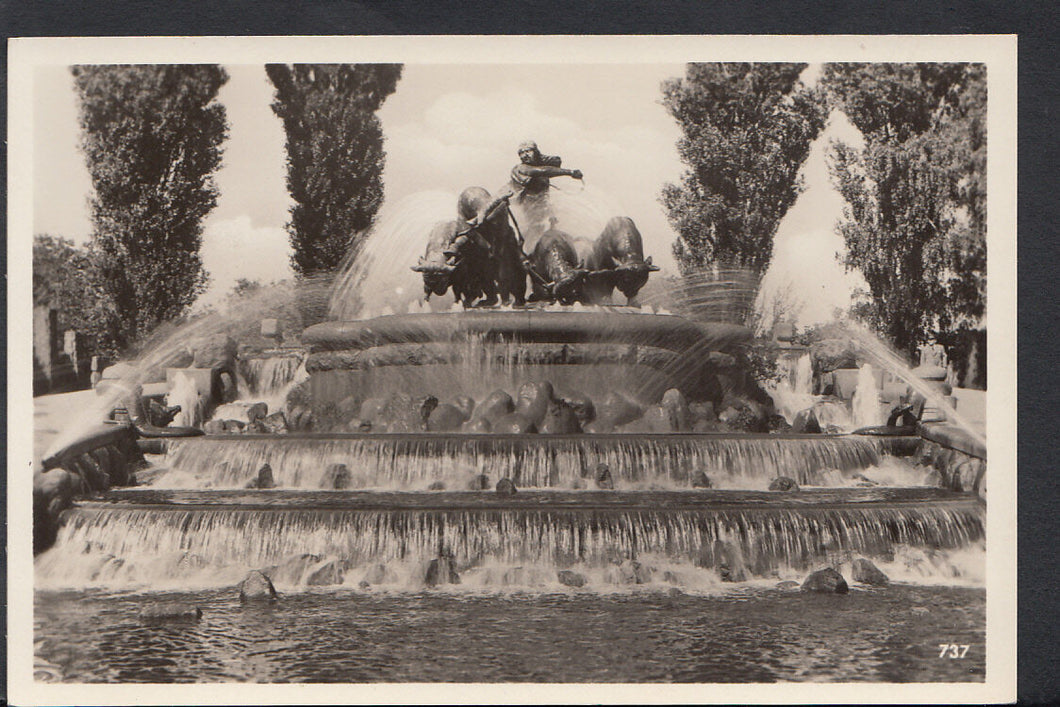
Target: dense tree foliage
point(335, 155)
point(152, 138)
point(915, 225)
point(746, 131)
point(61, 272)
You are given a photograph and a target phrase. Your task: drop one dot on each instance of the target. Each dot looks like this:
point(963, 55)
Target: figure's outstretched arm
point(546, 171)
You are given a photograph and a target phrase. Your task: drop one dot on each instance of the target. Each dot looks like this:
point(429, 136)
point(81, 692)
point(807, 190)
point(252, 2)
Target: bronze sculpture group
point(480, 255)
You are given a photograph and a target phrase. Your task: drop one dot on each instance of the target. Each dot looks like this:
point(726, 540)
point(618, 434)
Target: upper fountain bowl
point(474, 352)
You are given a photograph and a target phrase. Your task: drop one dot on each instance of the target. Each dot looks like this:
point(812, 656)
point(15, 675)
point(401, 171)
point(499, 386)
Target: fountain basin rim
point(531, 500)
point(668, 331)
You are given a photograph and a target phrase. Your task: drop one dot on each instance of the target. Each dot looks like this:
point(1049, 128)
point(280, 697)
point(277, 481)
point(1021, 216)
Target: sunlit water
point(891, 361)
point(170, 346)
point(865, 406)
point(153, 539)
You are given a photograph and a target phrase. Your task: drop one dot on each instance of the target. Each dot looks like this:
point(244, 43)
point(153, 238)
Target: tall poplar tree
point(746, 130)
point(915, 223)
point(335, 155)
point(152, 138)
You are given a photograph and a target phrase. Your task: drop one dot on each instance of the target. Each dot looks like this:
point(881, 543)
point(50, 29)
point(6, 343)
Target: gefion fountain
point(548, 450)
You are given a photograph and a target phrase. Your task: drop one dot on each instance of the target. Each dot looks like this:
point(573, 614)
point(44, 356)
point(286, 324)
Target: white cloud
point(234, 248)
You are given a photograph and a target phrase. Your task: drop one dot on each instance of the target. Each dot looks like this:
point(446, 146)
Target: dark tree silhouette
point(335, 155)
point(747, 129)
point(152, 138)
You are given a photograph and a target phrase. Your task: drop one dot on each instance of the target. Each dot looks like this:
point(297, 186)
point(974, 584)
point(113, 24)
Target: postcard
point(504, 369)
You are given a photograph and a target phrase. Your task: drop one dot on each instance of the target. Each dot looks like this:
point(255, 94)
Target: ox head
point(445, 253)
point(568, 288)
point(631, 277)
point(437, 276)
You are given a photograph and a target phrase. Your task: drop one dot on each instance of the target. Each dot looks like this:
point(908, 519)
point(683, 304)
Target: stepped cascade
point(363, 501)
point(171, 537)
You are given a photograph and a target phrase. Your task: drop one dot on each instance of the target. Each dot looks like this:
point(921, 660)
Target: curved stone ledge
point(959, 458)
point(957, 470)
point(509, 354)
point(101, 435)
point(953, 438)
point(103, 457)
point(528, 326)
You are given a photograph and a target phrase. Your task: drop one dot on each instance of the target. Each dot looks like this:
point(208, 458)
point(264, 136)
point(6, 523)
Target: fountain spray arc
point(875, 349)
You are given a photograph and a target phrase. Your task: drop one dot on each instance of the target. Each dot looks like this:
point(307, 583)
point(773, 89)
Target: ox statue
point(618, 260)
point(489, 217)
point(458, 259)
point(555, 260)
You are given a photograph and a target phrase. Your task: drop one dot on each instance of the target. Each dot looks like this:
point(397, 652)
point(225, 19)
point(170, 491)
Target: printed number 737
point(952, 650)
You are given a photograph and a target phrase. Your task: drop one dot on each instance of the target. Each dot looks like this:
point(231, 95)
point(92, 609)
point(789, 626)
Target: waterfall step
point(156, 538)
point(492, 439)
point(532, 461)
point(545, 500)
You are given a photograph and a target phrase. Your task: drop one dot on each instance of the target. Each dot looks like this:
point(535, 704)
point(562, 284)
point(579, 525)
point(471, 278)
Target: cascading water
point(793, 393)
point(267, 375)
point(396, 462)
point(802, 380)
point(866, 402)
point(207, 539)
point(266, 380)
point(170, 345)
point(891, 361)
point(406, 503)
point(186, 394)
point(793, 390)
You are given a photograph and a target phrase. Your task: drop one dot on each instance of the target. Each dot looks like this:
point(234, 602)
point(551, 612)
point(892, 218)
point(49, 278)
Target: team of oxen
point(480, 256)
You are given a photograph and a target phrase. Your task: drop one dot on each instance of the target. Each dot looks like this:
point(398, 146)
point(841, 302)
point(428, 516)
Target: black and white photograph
point(653, 368)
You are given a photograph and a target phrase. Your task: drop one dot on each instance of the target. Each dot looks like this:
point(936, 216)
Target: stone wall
point(104, 457)
point(959, 459)
point(61, 361)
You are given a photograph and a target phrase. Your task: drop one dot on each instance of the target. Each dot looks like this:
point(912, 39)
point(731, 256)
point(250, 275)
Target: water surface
point(750, 635)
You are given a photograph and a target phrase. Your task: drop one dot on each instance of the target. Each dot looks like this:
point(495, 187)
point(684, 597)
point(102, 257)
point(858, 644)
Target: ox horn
point(434, 267)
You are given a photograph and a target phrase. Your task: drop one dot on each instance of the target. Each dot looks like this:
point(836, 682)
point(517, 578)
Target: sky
point(447, 127)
